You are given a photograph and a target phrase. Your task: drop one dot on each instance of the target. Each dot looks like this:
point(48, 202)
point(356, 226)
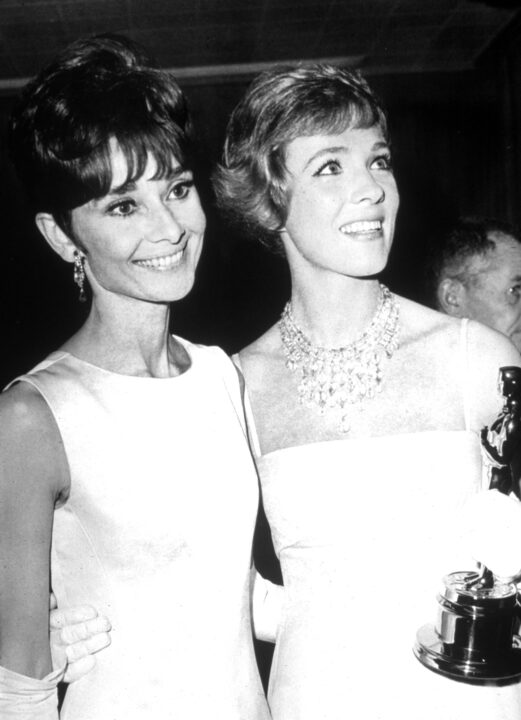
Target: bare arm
point(33, 473)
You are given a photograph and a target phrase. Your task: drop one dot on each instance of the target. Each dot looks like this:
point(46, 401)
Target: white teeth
point(161, 263)
point(361, 226)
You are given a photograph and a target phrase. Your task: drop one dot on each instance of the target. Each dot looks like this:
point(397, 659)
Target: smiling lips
point(165, 262)
point(362, 227)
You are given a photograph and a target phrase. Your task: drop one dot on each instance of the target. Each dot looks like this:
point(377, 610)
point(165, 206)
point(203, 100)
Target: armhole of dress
point(250, 422)
point(465, 374)
point(29, 380)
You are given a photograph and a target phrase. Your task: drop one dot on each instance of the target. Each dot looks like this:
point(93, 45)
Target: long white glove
point(267, 601)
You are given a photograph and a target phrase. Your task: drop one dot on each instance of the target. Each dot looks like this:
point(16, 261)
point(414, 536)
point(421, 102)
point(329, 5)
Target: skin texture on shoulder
point(488, 350)
point(33, 477)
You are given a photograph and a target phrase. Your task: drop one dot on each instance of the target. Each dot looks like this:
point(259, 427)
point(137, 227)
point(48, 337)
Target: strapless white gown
point(365, 529)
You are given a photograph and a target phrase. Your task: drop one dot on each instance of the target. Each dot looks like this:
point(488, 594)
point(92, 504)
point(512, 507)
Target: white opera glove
point(267, 602)
point(27, 698)
point(491, 525)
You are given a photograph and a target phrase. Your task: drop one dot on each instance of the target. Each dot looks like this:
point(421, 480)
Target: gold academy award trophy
point(474, 637)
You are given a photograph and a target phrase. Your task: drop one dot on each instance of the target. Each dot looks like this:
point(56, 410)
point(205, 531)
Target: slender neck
point(129, 338)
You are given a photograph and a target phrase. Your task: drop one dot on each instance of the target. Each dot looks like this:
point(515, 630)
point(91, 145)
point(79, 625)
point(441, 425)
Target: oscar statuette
point(474, 638)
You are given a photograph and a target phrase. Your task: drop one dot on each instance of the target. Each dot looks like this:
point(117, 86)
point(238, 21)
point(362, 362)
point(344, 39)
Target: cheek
point(307, 211)
point(195, 217)
point(393, 199)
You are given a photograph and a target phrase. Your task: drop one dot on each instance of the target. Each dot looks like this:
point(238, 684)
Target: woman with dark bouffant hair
point(366, 410)
point(126, 479)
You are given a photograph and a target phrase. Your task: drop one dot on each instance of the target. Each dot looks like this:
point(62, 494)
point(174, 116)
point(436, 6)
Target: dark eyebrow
point(335, 149)
point(130, 185)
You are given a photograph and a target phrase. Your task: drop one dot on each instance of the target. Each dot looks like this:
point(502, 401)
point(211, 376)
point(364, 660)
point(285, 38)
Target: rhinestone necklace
point(338, 379)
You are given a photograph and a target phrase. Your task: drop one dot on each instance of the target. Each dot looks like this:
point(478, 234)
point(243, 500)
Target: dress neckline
point(66, 355)
point(324, 444)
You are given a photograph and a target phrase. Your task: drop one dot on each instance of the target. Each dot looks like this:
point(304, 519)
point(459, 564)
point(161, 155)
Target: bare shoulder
point(420, 323)
point(436, 337)
point(488, 351)
point(490, 348)
point(22, 410)
point(31, 447)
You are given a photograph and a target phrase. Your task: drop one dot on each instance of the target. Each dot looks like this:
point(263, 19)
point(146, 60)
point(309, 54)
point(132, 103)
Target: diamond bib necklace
point(338, 379)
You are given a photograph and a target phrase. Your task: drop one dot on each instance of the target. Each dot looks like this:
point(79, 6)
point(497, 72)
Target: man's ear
point(55, 236)
point(451, 297)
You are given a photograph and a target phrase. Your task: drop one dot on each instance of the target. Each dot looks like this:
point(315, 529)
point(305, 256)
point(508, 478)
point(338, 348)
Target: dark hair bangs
point(88, 178)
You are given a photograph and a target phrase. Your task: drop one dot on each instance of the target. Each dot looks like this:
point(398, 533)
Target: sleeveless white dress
point(157, 533)
point(365, 529)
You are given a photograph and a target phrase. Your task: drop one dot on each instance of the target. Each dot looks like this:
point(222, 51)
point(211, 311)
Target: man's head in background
point(476, 270)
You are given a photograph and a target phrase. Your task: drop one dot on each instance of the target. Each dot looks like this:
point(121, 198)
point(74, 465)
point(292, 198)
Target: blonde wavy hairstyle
point(279, 106)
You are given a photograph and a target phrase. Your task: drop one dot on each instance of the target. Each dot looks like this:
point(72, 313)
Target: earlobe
point(55, 236)
point(450, 297)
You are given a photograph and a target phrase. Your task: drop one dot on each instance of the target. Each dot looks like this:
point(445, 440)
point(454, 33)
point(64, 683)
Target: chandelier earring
point(79, 274)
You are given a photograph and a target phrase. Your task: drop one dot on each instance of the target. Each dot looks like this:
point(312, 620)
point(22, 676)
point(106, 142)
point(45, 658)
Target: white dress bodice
point(365, 530)
point(157, 533)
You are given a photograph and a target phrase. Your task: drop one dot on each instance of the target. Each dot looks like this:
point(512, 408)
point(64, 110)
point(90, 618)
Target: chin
point(366, 269)
point(182, 289)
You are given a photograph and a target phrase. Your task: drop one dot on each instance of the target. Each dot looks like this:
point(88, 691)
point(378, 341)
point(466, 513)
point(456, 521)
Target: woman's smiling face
point(342, 202)
point(144, 238)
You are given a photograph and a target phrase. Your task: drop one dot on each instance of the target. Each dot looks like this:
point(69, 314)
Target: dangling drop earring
point(79, 274)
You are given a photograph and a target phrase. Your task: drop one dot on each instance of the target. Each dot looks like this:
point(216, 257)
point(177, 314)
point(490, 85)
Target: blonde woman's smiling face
point(342, 202)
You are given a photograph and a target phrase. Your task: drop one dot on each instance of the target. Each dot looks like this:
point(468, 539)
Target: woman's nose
point(366, 188)
point(165, 225)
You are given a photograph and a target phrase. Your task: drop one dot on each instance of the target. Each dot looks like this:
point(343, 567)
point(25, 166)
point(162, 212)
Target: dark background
point(457, 150)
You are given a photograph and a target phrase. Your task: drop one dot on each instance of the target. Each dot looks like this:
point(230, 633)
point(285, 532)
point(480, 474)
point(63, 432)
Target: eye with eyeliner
point(385, 159)
point(380, 162)
point(329, 163)
point(122, 208)
point(180, 189)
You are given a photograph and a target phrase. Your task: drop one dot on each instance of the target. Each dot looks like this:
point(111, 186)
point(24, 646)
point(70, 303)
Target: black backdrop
point(456, 150)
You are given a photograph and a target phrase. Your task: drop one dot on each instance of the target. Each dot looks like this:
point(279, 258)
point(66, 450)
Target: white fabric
point(27, 698)
point(267, 604)
point(157, 534)
point(365, 529)
point(491, 529)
